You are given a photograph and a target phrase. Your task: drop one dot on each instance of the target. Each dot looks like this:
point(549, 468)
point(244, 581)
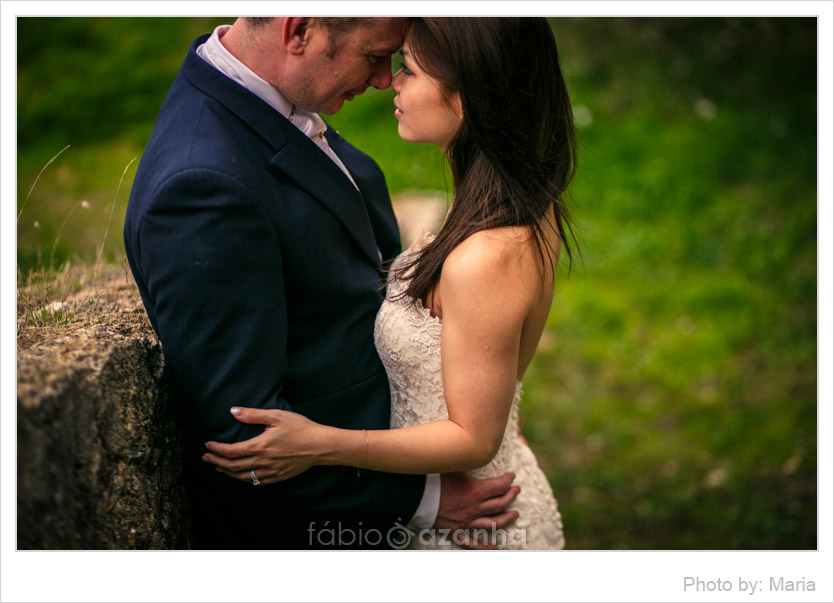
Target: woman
point(464, 310)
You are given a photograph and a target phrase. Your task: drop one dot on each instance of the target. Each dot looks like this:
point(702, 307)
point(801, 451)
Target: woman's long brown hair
point(514, 153)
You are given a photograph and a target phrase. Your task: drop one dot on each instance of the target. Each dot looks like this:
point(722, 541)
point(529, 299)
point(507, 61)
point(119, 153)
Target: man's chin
point(332, 108)
point(338, 103)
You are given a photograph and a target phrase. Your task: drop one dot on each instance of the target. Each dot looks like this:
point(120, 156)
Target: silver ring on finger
point(255, 480)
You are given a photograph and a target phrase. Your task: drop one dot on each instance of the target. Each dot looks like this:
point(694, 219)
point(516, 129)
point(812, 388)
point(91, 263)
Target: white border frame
point(373, 576)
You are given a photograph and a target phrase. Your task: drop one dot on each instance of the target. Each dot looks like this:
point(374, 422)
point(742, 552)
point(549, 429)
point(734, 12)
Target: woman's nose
point(396, 79)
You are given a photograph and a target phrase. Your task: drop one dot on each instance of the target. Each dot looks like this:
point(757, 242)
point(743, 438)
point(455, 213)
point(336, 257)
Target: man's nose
point(381, 74)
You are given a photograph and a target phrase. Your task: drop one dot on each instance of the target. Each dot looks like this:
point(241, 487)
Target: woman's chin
point(409, 136)
point(404, 134)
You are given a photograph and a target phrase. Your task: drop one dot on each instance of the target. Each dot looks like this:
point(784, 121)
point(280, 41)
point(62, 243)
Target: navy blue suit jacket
point(258, 264)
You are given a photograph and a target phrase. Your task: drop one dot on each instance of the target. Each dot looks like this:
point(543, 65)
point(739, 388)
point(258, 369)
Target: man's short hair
point(258, 22)
point(337, 27)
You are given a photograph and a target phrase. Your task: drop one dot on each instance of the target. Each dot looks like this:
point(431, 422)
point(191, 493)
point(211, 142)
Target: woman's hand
point(289, 445)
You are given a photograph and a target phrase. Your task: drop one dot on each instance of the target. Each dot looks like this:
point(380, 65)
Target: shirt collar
point(216, 55)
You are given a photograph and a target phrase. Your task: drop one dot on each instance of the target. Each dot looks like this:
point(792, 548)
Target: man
point(256, 234)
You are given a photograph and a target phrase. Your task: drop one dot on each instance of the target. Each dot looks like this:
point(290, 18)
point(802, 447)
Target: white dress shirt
point(312, 125)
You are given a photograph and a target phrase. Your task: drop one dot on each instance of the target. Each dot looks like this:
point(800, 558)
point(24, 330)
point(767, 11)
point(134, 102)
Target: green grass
point(673, 399)
point(673, 402)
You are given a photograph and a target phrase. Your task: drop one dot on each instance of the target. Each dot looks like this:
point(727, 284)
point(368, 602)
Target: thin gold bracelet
point(367, 445)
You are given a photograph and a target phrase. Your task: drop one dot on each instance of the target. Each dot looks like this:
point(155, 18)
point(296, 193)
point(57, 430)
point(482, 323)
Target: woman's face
point(423, 112)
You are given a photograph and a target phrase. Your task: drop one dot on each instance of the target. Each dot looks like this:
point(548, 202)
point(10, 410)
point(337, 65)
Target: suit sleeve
point(213, 271)
point(212, 265)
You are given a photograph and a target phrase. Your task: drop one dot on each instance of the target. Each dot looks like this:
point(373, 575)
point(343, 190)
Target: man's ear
point(296, 34)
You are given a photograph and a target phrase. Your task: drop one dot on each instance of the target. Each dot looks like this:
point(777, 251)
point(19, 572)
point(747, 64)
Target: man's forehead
point(385, 35)
point(379, 48)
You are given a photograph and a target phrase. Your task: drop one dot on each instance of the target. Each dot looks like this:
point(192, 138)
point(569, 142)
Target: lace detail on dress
point(407, 338)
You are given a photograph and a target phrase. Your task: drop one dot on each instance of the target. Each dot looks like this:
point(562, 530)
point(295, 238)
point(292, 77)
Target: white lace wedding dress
point(407, 338)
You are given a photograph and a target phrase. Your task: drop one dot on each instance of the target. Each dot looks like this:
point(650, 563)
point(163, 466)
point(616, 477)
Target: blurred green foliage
point(83, 80)
point(673, 399)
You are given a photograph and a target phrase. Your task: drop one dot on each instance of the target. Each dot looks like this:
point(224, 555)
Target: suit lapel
point(312, 170)
point(296, 155)
point(371, 182)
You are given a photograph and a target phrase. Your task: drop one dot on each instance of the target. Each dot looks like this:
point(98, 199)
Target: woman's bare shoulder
point(489, 258)
point(493, 250)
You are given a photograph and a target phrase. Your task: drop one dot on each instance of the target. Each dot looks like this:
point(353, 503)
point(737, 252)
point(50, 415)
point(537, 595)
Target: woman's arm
point(485, 293)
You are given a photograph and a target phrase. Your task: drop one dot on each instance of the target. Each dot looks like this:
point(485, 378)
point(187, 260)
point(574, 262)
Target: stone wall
point(98, 449)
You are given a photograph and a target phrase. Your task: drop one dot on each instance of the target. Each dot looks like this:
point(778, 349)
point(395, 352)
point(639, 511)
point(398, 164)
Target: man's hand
point(473, 504)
